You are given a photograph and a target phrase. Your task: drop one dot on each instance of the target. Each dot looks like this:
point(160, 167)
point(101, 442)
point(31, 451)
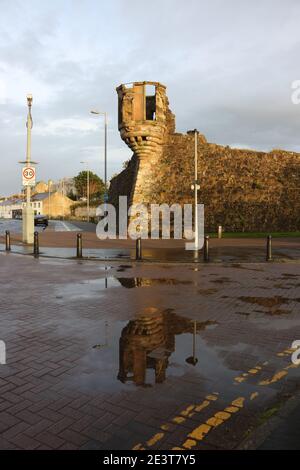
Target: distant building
point(51, 204)
point(10, 207)
point(41, 187)
point(66, 186)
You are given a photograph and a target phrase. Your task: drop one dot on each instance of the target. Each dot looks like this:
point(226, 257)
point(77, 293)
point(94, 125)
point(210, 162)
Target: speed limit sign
point(28, 176)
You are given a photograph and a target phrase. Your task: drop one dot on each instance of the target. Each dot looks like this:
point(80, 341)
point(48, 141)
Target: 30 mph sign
point(28, 176)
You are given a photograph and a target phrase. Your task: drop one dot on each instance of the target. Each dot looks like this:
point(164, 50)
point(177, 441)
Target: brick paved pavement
point(83, 353)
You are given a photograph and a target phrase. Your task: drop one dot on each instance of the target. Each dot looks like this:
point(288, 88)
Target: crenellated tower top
point(145, 119)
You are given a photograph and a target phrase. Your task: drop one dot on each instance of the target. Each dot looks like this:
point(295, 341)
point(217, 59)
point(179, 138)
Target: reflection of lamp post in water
point(192, 359)
point(106, 278)
point(99, 346)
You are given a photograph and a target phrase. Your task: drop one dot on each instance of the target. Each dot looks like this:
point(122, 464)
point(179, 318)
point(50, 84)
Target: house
point(10, 207)
point(53, 204)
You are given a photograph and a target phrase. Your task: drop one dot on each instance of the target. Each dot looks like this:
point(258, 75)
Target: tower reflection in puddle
point(147, 343)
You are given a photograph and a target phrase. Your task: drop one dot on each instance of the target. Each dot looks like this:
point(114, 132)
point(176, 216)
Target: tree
point(97, 187)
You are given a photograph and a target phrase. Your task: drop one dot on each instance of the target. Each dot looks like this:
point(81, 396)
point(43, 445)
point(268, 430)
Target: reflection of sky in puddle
point(94, 287)
point(87, 288)
point(103, 366)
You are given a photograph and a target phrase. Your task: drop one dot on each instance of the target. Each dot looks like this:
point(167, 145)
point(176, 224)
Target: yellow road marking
point(181, 418)
point(232, 409)
point(154, 439)
point(138, 447)
point(286, 352)
point(238, 402)
point(275, 378)
point(165, 427)
point(203, 405)
point(199, 433)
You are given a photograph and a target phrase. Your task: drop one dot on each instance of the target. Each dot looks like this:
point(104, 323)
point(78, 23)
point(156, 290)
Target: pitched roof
point(11, 202)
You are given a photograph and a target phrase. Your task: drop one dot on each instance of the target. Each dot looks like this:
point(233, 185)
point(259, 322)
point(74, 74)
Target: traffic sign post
point(28, 176)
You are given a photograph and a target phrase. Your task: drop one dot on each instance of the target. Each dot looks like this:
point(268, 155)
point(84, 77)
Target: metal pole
point(105, 151)
point(138, 249)
point(7, 240)
point(28, 149)
point(269, 248)
point(28, 221)
point(196, 191)
point(36, 248)
point(206, 250)
point(88, 193)
point(79, 245)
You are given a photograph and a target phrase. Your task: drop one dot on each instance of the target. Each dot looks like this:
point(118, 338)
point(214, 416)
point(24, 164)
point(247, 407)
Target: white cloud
point(228, 67)
point(65, 127)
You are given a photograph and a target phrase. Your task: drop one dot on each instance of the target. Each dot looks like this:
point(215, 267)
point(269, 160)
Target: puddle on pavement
point(130, 282)
point(94, 287)
point(271, 304)
point(146, 351)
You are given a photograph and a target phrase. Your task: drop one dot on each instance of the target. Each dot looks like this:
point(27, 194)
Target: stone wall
point(241, 189)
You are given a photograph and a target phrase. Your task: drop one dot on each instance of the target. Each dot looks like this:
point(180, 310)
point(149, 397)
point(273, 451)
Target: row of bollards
point(138, 246)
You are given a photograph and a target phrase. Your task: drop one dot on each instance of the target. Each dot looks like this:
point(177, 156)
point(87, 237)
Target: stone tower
point(145, 122)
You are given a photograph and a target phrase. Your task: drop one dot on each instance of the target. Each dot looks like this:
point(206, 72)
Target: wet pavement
point(144, 356)
point(222, 254)
point(59, 240)
point(15, 226)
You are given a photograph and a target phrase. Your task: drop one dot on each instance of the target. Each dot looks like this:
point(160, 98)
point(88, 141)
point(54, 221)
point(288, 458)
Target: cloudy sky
point(228, 66)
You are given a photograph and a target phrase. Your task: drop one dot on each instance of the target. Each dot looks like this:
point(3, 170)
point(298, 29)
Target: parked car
point(40, 220)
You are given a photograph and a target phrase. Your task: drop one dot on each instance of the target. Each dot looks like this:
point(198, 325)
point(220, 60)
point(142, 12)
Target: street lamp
point(101, 113)
point(87, 190)
point(28, 220)
point(195, 187)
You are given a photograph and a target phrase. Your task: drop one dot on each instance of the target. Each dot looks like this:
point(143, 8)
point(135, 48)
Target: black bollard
point(269, 248)
point(79, 245)
point(138, 249)
point(36, 248)
point(7, 240)
point(205, 250)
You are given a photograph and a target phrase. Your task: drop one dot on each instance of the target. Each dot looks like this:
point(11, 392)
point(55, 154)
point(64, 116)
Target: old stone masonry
point(241, 189)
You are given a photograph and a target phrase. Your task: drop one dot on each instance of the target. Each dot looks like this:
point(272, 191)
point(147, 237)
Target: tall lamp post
point(27, 216)
point(101, 113)
point(87, 190)
point(195, 187)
